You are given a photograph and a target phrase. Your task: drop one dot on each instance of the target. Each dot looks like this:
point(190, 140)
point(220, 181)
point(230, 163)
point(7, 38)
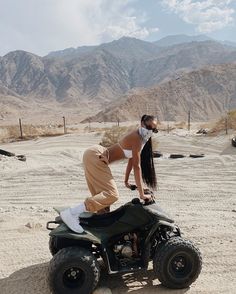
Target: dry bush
point(96, 129)
point(181, 125)
point(113, 135)
point(166, 128)
point(221, 124)
point(155, 144)
point(12, 132)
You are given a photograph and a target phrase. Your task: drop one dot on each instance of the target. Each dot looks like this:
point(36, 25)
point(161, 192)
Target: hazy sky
point(41, 26)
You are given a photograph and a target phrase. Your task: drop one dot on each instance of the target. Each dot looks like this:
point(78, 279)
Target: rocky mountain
point(69, 52)
point(179, 39)
point(175, 60)
point(106, 72)
point(228, 43)
point(91, 77)
point(24, 74)
point(208, 93)
point(125, 47)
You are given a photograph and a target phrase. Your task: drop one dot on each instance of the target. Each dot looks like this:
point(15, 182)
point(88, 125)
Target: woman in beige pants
point(137, 147)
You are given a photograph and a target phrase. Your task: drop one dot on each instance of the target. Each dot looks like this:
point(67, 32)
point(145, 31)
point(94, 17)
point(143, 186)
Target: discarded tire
point(157, 154)
point(6, 153)
point(10, 154)
point(234, 142)
point(176, 156)
point(196, 155)
point(21, 157)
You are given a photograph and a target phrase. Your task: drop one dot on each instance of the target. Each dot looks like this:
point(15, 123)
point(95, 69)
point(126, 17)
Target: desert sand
point(200, 194)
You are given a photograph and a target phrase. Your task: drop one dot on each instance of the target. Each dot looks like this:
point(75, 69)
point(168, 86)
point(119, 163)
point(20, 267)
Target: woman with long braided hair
point(137, 147)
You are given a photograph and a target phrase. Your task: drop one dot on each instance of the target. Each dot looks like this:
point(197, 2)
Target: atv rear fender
point(62, 231)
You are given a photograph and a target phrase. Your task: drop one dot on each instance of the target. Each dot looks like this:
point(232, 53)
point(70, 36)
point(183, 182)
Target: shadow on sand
point(28, 280)
point(137, 283)
point(33, 280)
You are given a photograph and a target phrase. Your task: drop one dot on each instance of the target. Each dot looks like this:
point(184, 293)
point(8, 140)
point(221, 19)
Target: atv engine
point(127, 246)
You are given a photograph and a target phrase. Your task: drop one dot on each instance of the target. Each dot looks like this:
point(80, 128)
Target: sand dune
point(198, 193)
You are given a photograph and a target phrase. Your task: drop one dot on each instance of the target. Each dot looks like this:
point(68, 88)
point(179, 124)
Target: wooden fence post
point(64, 123)
point(189, 118)
point(226, 125)
point(21, 133)
point(89, 120)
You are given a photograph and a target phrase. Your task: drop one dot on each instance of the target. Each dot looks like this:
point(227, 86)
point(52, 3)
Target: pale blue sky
point(41, 26)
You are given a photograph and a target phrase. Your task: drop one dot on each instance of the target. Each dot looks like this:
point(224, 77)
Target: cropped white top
point(128, 152)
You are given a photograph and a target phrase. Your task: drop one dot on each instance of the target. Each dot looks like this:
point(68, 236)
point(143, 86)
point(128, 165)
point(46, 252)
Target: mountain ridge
point(208, 92)
point(91, 80)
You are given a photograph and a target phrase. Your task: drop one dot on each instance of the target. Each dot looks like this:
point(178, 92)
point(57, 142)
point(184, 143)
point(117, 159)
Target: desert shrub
point(155, 144)
point(113, 135)
point(95, 129)
point(12, 132)
point(164, 127)
point(220, 125)
point(181, 125)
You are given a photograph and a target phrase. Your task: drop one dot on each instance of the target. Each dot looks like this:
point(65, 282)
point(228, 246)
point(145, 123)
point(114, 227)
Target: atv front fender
point(166, 224)
point(171, 227)
point(162, 224)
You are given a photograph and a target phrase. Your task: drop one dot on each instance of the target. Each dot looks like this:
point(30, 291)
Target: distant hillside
point(228, 43)
point(105, 73)
point(125, 47)
point(69, 52)
point(179, 39)
point(89, 78)
point(175, 60)
point(207, 93)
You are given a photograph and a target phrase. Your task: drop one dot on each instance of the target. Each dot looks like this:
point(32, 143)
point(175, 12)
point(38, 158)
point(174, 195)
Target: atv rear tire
point(177, 263)
point(73, 270)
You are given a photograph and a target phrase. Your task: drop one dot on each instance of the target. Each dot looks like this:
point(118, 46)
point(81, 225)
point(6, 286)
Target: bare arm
point(127, 173)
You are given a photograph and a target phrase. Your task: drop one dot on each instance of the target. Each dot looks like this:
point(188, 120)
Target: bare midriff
point(115, 153)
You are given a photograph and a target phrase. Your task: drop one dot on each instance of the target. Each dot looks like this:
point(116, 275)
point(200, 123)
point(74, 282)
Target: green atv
point(126, 239)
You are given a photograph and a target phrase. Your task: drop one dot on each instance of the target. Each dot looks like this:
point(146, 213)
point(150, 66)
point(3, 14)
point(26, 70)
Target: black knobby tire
point(177, 263)
point(73, 270)
point(53, 245)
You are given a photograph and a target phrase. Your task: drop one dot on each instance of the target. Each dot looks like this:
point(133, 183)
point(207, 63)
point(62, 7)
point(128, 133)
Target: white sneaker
point(71, 220)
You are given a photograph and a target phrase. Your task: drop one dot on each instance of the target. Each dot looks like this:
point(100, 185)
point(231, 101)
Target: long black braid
point(147, 163)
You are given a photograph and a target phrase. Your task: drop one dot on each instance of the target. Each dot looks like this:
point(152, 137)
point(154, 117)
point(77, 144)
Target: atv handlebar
point(133, 187)
point(146, 191)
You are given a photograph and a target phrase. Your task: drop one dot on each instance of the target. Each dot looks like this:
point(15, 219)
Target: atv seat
point(101, 220)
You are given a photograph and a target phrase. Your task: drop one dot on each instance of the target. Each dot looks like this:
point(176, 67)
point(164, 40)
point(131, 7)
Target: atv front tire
point(177, 263)
point(73, 270)
point(52, 245)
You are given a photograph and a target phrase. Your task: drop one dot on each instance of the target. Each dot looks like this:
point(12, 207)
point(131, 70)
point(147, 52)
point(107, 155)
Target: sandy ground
point(198, 193)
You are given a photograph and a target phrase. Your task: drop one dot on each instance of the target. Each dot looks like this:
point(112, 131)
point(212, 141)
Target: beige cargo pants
point(99, 179)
